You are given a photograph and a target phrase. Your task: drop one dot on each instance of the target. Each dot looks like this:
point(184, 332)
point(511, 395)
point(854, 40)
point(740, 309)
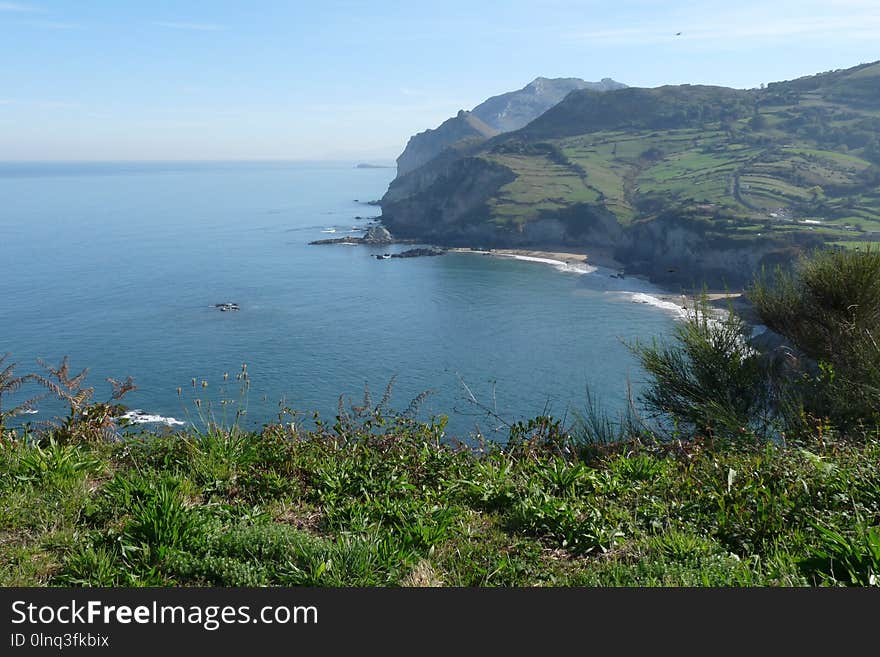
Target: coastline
point(595, 258)
point(601, 260)
point(664, 298)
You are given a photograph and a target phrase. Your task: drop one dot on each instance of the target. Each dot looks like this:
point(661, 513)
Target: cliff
point(426, 145)
point(498, 114)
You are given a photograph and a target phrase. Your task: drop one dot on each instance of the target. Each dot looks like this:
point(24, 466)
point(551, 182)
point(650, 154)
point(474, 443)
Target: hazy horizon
point(345, 81)
point(388, 161)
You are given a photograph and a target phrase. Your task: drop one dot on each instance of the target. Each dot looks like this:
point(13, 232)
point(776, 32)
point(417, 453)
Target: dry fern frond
point(386, 397)
point(120, 389)
point(66, 388)
point(10, 383)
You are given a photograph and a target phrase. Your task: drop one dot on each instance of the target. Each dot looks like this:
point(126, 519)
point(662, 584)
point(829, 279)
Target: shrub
point(709, 379)
point(828, 306)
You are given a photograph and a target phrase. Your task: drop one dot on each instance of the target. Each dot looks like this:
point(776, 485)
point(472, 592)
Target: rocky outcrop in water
point(377, 235)
point(340, 240)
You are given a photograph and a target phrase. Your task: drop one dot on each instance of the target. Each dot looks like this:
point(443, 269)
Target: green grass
point(844, 160)
point(541, 185)
point(396, 506)
point(856, 245)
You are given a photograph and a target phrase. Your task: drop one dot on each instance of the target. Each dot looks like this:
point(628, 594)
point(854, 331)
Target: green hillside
point(796, 156)
point(763, 172)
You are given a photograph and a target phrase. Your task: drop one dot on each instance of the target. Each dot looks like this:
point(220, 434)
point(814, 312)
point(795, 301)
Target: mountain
point(426, 145)
point(503, 113)
point(515, 109)
point(684, 183)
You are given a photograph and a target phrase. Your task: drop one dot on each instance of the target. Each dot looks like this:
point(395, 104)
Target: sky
point(353, 80)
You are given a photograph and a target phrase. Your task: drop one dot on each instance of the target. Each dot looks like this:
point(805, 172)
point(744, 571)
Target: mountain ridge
point(497, 114)
point(515, 109)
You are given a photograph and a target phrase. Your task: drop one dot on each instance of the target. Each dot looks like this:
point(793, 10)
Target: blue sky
point(337, 79)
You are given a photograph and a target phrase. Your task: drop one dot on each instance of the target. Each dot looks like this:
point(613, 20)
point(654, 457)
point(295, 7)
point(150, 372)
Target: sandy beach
point(721, 303)
point(595, 258)
point(678, 303)
point(717, 300)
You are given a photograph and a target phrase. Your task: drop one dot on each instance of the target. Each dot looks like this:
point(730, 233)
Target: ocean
point(119, 266)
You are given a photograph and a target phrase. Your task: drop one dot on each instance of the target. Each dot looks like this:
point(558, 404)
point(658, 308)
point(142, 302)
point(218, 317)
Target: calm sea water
point(118, 266)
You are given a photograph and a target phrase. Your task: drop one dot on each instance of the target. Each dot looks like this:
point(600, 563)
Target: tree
point(828, 307)
point(758, 120)
point(872, 150)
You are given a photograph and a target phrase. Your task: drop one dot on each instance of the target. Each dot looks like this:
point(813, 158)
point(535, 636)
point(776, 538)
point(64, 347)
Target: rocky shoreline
point(684, 299)
point(376, 235)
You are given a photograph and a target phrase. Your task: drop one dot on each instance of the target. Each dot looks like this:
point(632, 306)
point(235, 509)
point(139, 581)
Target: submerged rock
point(376, 234)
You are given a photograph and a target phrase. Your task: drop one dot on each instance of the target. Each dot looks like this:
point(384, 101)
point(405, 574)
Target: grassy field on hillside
point(788, 167)
point(697, 171)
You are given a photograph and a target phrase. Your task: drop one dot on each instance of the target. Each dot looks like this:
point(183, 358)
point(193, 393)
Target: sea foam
point(670, 306)
point(137, 416)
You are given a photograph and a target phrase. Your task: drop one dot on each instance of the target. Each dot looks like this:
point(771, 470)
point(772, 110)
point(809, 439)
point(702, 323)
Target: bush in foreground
point(829, 310)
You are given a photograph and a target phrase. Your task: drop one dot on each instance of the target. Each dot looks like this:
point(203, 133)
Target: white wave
point(29, 411)
point(138, 416)
point(329, 230)
point(669, 306)
point(575, 267)
point(679, 309)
